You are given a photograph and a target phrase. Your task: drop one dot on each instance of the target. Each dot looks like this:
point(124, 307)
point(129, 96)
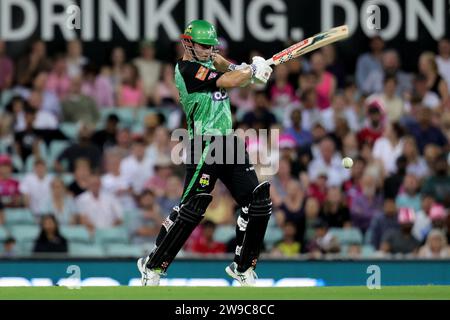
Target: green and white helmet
point(201, 32)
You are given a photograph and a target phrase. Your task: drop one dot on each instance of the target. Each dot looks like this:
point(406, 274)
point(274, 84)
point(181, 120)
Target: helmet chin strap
point(189, 47)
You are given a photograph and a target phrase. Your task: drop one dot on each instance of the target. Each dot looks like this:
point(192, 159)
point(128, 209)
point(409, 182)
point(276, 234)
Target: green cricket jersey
point(207, 107)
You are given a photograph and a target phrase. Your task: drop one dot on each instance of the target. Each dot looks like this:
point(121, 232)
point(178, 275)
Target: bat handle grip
point(270, 62)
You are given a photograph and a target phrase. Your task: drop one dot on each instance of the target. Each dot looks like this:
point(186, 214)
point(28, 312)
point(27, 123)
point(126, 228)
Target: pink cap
point(406, 216)
point(437, 212)
point(5, 160)
point(252, 145)
point(287, 141)
point(376, 104)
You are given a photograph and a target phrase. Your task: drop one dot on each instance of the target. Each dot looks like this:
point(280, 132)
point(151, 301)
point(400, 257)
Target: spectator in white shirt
point(339, 108)
point(330, 161)
point(436, 246)
point(98, 209)
point(160, 145)
point(36, 187)
point(416, 163)
point(42, 120)
point(61, 204)
point(443, 60)
point(391, 66)
point(370, 61)
point(137, 168)
point(149, 68)
point(114, 183)
point(75, 59)
point(389, 147)
point(421, 95)
point(310, 111)
point(47, 99)
point(392, 102)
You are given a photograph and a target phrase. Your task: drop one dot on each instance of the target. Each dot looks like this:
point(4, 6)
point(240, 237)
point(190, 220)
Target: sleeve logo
point(212, 75)
point(202, 73)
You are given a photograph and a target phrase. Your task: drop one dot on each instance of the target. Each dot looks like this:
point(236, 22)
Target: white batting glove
point(261, 70)
point(233, 67)
point(242, 66)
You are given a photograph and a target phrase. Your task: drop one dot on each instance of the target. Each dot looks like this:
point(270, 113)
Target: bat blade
point(313, 43)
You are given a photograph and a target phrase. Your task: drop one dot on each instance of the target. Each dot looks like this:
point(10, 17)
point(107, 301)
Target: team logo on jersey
point(204, 180)
point(202, 73)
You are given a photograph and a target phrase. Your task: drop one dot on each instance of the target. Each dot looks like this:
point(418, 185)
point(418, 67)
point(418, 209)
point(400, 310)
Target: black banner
point(250, 309)
point(263, 25)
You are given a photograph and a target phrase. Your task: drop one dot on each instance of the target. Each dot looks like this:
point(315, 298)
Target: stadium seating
point(123, 250)
point(29, 164)
point(146, 248)
point(76, 234)
point(17, 162)
point(55, 149)
point(348, 236)
point(70, 130)
point(127, 116)
point(367, 251)
point(43, 150)
point(111, 235)
point(273, 234)
point(25, 248)
point(24, 233)
point(224, 233)
point(85, 250)
point(67, 178)
point(19, 216)
point(18, 176)
point(129, 217)
point(3, 233)
point(3, 146)
point(368, 237)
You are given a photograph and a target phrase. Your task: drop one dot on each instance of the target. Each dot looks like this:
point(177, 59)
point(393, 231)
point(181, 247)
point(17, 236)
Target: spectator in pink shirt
point(58, 80)
point(158, 182)
point(131, 93)
point(326, 85)
point(118, 61)
point(243, 98)
point(98, 86)
point(10, 195)
point(75, 59)
point(6, 68)
point(282, 93)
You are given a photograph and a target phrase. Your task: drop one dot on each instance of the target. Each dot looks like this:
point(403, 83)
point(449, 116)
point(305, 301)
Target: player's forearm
point(235, 78)
point(221, 64)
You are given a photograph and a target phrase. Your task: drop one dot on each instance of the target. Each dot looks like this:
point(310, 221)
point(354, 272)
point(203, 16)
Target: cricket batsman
point(202, 77)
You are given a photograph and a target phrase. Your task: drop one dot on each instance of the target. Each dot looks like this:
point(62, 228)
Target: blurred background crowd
point(86, 169)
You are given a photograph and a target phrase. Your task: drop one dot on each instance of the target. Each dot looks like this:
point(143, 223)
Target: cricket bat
point(313, 43)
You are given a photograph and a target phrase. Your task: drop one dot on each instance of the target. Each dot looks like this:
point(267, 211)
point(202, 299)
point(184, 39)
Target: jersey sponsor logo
point(212, 75)
point(204, 180)
point(242, 223)
point(202, 73)
point(220, 95)
point(167, 224)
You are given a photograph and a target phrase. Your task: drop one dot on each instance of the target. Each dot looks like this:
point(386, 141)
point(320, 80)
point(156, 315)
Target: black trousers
point(219, 157)
point(204, 167)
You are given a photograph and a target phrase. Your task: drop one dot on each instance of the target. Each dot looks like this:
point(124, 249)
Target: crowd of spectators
point(393, 124)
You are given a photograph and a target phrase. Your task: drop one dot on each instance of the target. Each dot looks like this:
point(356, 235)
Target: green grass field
point(225, 293)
